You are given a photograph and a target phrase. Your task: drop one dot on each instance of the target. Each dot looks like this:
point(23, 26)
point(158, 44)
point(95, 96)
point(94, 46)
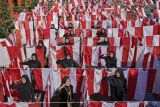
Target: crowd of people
point(116, 79)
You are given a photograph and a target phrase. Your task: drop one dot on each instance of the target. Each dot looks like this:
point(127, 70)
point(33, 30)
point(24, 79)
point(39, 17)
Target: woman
point(67, 62)
point(118, 85)
point(111, 60)
point(66, 92)
point(102, 33)
point(24, 88)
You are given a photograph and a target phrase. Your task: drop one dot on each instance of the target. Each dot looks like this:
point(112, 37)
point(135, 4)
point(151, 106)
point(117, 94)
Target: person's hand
point(101, 56)
point(62, 86)
point(16, 81)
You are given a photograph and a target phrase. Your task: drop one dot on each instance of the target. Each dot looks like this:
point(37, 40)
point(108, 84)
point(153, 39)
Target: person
point(42, 46)
point(32, 62)
point(67, 62)
point(103, 41)
point(53, 26)
point(70, 26)
point(69, 34)
point(25, 89)
point(102, 33)
point(72, 34)
point(66, 42)
point(117, 85)
point(111, 60)
point(66, 92)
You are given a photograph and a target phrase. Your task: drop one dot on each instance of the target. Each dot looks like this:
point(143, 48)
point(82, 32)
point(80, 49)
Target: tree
point(6, 20)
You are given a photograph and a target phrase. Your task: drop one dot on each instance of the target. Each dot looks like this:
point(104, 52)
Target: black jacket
point(110, 62)
point(69, 35)
point(26, 91)
point(118, 87)
point(65, 63)
point(32, 64)
point(101, 34)
point(64, 43)
point(63, 94)
point(104, 43)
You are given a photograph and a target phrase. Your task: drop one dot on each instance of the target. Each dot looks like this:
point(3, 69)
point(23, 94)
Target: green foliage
point(34, 3)
point(6, 20)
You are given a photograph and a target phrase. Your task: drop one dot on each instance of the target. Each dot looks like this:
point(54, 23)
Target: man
point(32, 62)
point(67, 62)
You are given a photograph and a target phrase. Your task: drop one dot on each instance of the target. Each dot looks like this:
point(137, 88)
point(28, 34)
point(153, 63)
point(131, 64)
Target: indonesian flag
point(9, 76)
point(94, 82)
point(138, 83)
point(16, 57)
point(47, 97)
point(4, 57)
point(92, 54)
point(57, 53)
point(148, 31)
point(92, 41)
point(22, 16)
point(40, 54)
point(91, 104)
point(1, 88)
point(116, 104)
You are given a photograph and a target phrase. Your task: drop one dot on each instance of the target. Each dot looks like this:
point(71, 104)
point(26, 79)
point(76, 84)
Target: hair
point(113, 53)
point(67, 38)
point(64, 80)
point(26, 78)
point(70, 24)
point(121, 73)
point(41, 41)
point(34, 54)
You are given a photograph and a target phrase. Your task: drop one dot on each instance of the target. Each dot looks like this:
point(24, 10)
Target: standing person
point(111, 60)
point(24, 88)
point(66, 92)
point(32, 62)
point(117, 85)
point(43, 47)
